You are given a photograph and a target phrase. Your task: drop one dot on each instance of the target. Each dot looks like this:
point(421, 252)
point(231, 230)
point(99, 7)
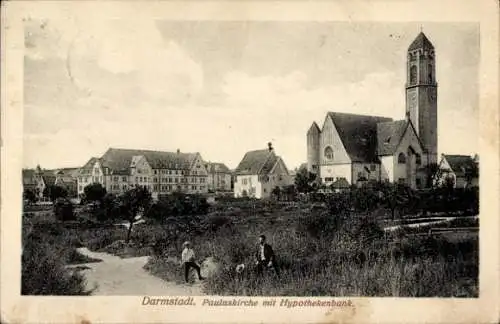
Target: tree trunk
point(129, 232)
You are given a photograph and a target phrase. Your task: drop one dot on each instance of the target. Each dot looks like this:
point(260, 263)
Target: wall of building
point(387, 168)
point(330, 137)
point(400, 170)
point(330, 172)
point(368, 171)
point(249, 184)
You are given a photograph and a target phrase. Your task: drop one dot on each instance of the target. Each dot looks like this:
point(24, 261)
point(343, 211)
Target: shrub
point(63, 210)
point(43, 272)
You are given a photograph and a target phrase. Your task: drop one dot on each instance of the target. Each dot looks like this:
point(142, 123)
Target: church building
point(358, 148)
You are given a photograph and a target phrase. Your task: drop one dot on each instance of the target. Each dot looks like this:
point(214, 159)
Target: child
point(188, 260)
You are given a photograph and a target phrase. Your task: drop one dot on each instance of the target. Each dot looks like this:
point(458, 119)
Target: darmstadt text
point(187, 301)
point(247, 302)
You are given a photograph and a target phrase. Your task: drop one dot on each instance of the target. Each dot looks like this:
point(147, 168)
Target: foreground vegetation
point(326, 245)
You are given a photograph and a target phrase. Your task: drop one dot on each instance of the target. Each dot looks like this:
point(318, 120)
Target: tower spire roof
point(421, 42)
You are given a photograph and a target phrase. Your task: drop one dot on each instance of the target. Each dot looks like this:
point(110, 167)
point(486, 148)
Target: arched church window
point(429, 73)
point(328, 153)
point(413, 75)
point(401, 158)
point(418, 159)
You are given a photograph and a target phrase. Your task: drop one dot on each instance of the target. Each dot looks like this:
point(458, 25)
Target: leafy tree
point(471, 172)
point(133, 202)
point(276, 193)
point(305, 181)
point(30, 195)
point(63, 209)
point(94, 192)
point(290, 192)
point(394, 196)
point(53, 192)
point(432, 172)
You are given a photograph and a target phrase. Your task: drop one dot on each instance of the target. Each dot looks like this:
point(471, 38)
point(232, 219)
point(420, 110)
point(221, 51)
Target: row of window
point(177, 172)
point(90, 179)
point(164, 188)
point(178, 180)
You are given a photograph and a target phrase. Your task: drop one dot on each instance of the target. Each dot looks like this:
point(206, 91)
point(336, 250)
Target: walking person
point(265, 256)
point(188, 260)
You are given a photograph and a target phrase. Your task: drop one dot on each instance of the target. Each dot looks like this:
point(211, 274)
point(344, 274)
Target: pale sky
point(224, 88)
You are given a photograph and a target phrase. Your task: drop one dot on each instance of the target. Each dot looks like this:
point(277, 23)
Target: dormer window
point(401, 158)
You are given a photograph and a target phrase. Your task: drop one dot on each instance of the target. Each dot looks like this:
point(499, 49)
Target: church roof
point(257, 162)
point(358, 133)
point(421, 42)
point(389, 135)
point(459, 164)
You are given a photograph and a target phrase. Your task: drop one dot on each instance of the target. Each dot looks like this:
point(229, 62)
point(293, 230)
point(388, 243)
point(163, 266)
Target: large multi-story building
point(161, 172)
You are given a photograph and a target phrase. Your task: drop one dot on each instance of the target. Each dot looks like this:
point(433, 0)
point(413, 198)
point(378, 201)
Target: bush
point(63, 210)
point(43, 272)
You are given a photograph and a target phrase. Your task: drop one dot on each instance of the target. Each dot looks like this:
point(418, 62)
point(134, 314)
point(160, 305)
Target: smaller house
point(68, 179)
point(218, 177)
point(259, 172)
point(461, 170)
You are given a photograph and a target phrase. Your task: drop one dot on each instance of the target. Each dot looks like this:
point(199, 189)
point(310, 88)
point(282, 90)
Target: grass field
point(319, 254)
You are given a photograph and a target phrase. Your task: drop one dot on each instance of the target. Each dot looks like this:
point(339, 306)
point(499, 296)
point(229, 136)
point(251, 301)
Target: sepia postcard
point(250, 162)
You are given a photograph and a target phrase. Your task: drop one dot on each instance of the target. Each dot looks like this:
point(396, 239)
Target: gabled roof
point(89, 165)
point(358, 133)
point(421, 41)
point(119, 160)
point(257, 162)
point(460, 164)
point(389, 135)
point(73, 172)
point(213, 167)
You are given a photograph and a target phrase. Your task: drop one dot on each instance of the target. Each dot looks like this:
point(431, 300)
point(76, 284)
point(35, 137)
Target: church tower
point(421, 93)
point(313, 138)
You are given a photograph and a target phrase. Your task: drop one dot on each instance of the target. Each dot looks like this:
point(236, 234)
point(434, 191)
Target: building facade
point(353, 149)
point(119, 170)
point(259, 172)
point(461, 171)
point(218, 177)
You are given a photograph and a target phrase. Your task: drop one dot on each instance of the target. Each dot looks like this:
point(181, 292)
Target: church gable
point(389, 136)
point(410, 138)
point(332, 150)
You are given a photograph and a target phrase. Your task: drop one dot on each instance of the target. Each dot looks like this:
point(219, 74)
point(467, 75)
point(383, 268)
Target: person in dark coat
point(265, 257)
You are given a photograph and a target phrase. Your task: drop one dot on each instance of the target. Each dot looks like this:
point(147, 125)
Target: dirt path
point(438, 221)
point(117, 276)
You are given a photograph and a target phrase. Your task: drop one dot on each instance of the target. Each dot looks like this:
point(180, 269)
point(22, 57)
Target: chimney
point(178, 151)
point(270, 145)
